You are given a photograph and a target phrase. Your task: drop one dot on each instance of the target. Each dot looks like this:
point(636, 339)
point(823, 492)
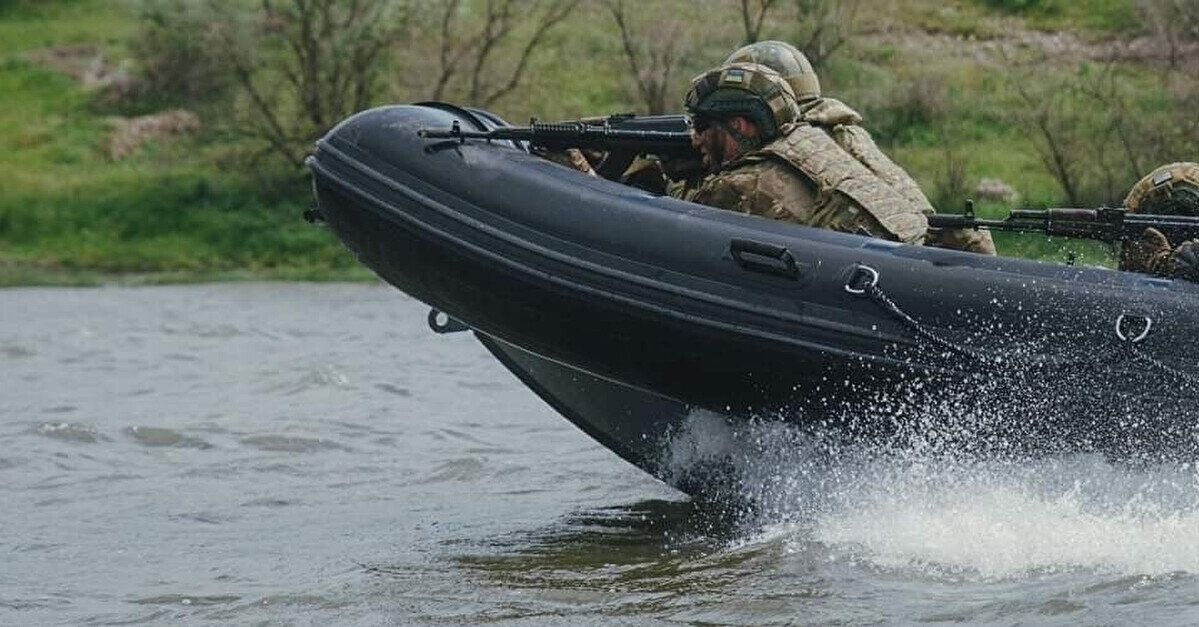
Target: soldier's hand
point(682, 168)
point(645, 174)
point(1186, 261)
point(571, 157)
point(1146, 254)
point(577, 160)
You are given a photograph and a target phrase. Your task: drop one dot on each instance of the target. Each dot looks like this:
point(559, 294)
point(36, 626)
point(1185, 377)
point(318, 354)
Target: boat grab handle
point(765, 258)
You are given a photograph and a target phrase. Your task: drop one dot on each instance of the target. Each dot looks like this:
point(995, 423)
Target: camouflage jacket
point(771, 189)
point(1153, 254)
point(804, 177)
point(843, 124)
point(828, 173)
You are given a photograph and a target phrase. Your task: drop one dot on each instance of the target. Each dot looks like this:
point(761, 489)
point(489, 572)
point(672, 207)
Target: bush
point(183, 51)
point(911, 110)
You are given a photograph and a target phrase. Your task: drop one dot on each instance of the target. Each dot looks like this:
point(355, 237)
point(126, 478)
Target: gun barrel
point(955, 221)
point(454, 133)
point(1073, 215)
point(579, 135)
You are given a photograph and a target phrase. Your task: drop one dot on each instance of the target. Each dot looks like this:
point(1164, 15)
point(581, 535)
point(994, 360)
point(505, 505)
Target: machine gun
point(622, 136)
point(1103, 224)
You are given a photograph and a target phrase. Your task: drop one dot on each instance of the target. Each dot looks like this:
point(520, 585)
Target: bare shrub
point(1053, 113)
point(519, 24)
point(654, 53)
point(824, 28)
point(1120, 150)
point(753, 15)
point(182, 49)
point(321, 60)
point(1101, 128)
point(950, 187)
point(917, 105)
point(1173, 25)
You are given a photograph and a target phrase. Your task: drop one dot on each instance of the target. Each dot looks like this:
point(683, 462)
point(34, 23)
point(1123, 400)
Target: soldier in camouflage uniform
point(1172, 189)
point(762, 158)
point(842, 124)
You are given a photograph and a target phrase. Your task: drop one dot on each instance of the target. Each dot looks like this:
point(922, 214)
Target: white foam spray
point(933, 509)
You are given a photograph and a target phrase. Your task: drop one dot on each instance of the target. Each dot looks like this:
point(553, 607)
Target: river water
point(313, 454)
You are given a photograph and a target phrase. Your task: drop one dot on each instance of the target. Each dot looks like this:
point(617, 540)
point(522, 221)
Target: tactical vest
point(833, 168)
point(857, 142)
point(844, 125)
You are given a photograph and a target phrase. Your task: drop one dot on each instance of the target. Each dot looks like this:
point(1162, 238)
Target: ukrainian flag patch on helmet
point(734, 75)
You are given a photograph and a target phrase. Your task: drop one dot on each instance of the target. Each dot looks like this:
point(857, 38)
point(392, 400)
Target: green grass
point(1096, 16)
point(170, 222)
point(187, 208)
point(32, 24)
point(172, 211)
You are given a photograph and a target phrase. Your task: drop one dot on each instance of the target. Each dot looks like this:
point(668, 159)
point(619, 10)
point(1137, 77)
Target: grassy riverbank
point(194, 206)
point(187, 209)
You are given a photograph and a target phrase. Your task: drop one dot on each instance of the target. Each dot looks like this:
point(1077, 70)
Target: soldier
point(762, 158)
point(1171, 189)
point(842, 124)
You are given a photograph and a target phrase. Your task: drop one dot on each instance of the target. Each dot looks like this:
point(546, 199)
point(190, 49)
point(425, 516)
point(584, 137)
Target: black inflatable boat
point(627, 311)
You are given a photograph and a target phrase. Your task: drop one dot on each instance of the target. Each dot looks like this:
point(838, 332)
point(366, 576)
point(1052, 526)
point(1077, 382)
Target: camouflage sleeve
point(685, 189)
point(723, 191)
point(645, 174)
point(1184, 261)
point(961, 239)
point(760, 189)
point(732, 190)
point(1151, 253)
point(571, 158)
point(774, 191)
point(839, 212)
point(858, 142)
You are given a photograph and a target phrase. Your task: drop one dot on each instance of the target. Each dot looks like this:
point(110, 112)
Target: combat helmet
point(785, 59)
point(743, 89)
point(1172, 189)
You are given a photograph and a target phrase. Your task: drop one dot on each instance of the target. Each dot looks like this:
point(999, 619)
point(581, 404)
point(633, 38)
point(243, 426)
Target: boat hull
point(699, 307)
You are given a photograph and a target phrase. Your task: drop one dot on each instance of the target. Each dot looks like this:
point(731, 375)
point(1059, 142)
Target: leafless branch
point(653, 58)
point(502, 21)
point(1056, 130)
point(753, 17)
point(825, 26)
point(1173, 28)
point(329, 67)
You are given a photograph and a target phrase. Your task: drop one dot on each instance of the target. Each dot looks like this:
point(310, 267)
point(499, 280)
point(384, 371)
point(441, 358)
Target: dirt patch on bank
point(89, 66)
point(84, 63)
point(129, 134)
point(1059, 47)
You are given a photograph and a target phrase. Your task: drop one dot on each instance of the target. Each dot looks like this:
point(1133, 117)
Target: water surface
point(313, 454)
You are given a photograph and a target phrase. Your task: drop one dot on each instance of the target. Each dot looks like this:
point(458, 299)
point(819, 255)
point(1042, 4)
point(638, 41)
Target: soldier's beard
point(715, 153)
point(711, 161)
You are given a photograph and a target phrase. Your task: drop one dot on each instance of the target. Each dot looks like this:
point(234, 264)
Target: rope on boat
point(1131, 341)
point(871, 289)
point(1186, 377)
